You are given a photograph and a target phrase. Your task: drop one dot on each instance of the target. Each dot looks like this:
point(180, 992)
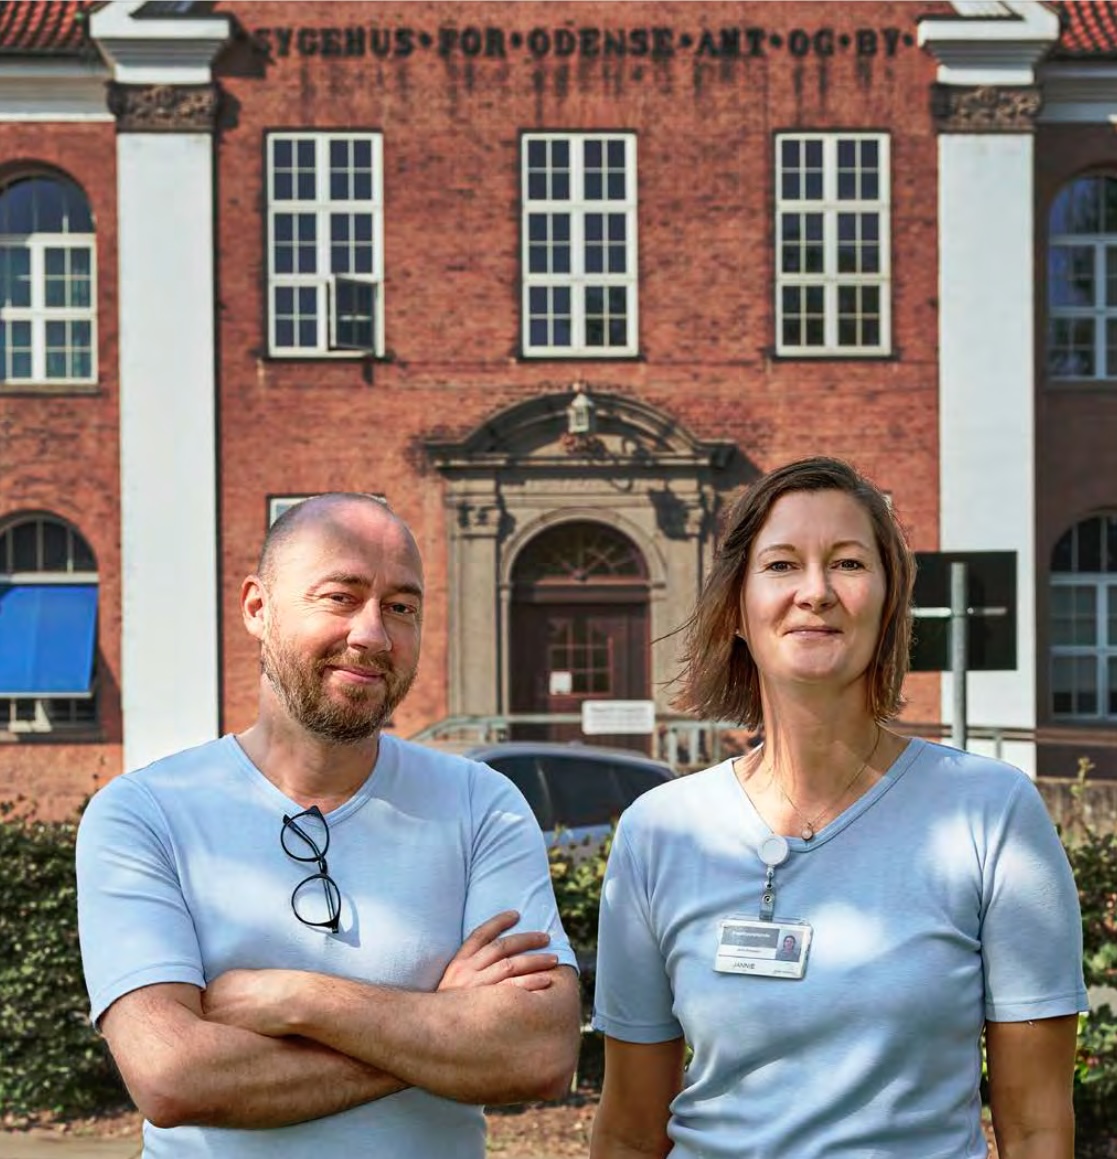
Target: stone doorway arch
point(522, 472)
point(578, 626)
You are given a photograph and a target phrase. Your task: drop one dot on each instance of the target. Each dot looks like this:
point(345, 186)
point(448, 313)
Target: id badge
point(776, 949)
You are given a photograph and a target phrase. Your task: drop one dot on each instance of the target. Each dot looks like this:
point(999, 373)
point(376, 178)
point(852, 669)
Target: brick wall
point(452, 124)
point(59, 454)
point(1076, 424)
point(451, 127)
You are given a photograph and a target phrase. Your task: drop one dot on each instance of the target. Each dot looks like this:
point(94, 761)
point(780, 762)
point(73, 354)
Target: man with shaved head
point(314, 938)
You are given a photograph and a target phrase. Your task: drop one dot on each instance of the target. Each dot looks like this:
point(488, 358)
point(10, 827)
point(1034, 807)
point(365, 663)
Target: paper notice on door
point(562, 683)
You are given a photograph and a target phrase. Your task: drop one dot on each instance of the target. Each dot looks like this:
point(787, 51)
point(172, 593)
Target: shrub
point(51, 1059)
point(577, 874)
point(1093, 857)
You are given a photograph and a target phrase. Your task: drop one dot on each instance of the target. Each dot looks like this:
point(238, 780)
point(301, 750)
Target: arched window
point(48, 622)
point(48, 294)
point(1082, 280)
point(1084, 621)
point(580, 553)
point(579, 619)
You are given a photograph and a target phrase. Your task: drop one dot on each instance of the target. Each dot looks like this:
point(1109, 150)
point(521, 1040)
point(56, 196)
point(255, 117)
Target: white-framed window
point(1082, 280)
point(48, 594)
point(579, 245)
point(833, 266)
point(1083, 621)
point(48, 280)
point(280, 504)
point(325, 244)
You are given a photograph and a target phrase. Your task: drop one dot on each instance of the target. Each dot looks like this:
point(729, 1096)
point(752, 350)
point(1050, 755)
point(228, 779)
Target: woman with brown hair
point(925, 888)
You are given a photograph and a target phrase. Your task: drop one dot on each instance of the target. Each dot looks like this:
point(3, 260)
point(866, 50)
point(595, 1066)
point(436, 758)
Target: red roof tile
point(1089, 29)
point(44, 27)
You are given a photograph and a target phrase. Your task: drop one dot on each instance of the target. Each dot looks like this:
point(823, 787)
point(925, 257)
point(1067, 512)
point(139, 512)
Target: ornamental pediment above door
point(622, 431)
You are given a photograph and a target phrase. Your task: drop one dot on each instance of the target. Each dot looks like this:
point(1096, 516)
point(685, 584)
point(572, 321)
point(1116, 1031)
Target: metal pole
point(958, 625)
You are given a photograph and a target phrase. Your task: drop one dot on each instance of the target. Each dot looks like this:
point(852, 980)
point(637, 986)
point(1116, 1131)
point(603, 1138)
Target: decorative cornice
point(53, 89)
point(1079, 91)
point(143, 49)
point(993, 43)
point(164, 108)
point(985, 108)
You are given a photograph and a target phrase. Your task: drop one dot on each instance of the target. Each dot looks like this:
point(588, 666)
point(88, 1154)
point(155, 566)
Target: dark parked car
point(576, 791)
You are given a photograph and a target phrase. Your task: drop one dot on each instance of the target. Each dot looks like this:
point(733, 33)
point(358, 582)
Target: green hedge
point(1093, 857)
point(50, 1057)
point(52, 1061)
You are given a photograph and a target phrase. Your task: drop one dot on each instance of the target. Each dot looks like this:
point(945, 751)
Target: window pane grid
point(549, 243)
point(1074, 615)
point(17, 353)
point(550, 317)
point(832, 235)
point(47, 309)
point(1082, 280)
point(68, 349)
point(50, 550)
point(1074, 685)
point(47, 714)
point(15, 277)
point(325, 227)
point(803, 310)
point(606, 315)
point(1083, 637)
point(352, 250)
point(43, 545)
point(354, 315)
point(1089, 546)
point(579, 244)
point(585, 652)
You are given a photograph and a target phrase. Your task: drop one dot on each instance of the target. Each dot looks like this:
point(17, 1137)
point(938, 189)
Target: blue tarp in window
point(48, 633)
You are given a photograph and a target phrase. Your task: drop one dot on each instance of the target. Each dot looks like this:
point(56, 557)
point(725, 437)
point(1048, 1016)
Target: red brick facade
point(452, 88)
point(451, 130)
point(1076, 470)
point(59, 455)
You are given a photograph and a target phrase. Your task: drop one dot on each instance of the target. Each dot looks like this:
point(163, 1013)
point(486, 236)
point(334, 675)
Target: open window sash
point(353, 308)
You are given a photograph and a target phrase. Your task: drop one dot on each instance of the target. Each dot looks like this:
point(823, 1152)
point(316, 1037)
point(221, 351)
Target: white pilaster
point(986, 411)
point(168, 451)
point(168, 436)
point(986, 320)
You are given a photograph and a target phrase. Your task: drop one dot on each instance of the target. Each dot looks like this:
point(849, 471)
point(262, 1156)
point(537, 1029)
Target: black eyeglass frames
point(306, 837)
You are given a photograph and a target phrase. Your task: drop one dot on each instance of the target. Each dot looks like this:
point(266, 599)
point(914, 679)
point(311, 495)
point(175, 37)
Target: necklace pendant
point(808, 832)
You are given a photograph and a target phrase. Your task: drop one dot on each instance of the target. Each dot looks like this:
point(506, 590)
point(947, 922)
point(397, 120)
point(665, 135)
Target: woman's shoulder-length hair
point(719, 679)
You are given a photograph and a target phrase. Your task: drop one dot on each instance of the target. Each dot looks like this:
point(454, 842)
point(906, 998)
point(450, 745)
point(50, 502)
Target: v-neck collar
point(758, 828)
point(386, 760)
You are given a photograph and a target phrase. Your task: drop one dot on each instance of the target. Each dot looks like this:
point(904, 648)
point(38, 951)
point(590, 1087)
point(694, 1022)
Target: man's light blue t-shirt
point(940, 899)
point(181, 876)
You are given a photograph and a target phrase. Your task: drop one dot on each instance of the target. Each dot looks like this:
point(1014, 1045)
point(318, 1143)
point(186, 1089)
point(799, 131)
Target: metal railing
point(680, 741)
point(688, 744)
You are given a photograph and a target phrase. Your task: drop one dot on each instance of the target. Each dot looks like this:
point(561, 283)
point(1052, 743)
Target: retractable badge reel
point(766, 945)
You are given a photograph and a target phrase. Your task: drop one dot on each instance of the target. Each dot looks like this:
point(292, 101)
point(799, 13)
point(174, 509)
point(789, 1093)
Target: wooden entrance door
point(579, 628)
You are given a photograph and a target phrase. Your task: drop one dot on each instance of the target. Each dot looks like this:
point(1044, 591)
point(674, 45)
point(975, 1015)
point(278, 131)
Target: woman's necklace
point(810, 824)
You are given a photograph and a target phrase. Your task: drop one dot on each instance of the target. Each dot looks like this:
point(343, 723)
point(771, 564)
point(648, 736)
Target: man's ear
point(253, 601)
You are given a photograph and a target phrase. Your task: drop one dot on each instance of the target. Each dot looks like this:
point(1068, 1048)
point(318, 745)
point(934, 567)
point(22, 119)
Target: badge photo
point(769, 949)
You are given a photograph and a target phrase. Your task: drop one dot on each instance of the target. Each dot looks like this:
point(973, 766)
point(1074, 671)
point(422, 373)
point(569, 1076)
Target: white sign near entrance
point(617, 716)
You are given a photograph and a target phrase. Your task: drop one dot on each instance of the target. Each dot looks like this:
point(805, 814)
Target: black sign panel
point(991, 633)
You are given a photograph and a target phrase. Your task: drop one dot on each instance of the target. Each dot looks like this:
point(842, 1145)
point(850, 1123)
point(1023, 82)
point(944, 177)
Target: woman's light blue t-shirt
point(940, 899)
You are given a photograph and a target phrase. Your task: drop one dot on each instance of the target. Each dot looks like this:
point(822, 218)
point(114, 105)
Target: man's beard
point(352, 716)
